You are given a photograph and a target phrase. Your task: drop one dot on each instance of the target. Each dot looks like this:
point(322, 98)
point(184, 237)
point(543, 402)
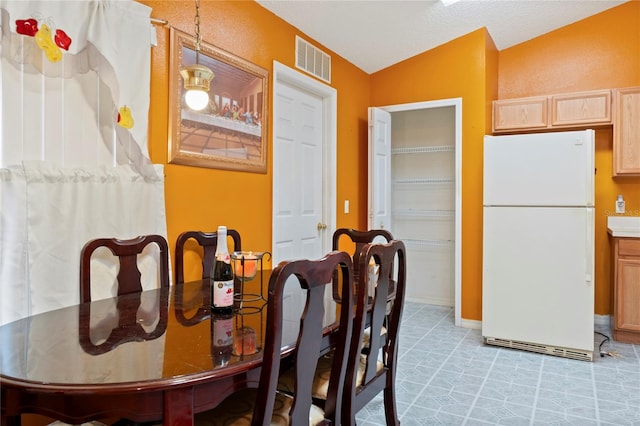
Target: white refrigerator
point(538, 243)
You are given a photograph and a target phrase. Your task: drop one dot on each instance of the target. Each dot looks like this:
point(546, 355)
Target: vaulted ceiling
point(375, 34)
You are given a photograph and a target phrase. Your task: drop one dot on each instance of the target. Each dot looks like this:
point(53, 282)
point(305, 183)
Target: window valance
point(65, 38)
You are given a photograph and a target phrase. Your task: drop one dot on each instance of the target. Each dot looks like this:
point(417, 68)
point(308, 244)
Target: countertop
point(624, 226)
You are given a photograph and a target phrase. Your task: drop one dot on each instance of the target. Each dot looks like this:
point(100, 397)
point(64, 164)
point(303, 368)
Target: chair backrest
point(385, 310)
point(359, 238)
point(313, 277)
point(208, 241)
point(127, 252)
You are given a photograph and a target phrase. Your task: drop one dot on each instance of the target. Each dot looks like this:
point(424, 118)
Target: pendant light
point(196, 77)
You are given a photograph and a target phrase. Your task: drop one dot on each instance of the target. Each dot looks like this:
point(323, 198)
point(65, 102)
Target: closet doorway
point(415, 157)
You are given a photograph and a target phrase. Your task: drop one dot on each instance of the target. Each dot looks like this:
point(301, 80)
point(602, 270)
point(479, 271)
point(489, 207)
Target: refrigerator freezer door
point(538, 276)
point(545, 169)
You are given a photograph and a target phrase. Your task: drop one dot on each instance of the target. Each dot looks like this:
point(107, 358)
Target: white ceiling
point(375, 34)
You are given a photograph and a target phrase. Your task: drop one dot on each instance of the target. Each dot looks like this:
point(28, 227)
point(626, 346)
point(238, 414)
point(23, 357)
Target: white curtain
point(73, 166)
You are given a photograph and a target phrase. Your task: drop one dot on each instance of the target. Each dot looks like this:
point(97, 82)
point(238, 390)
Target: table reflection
point(116, 356)
point(107, 324)
point(239, 334)
point(193, 303)
point(156, 335)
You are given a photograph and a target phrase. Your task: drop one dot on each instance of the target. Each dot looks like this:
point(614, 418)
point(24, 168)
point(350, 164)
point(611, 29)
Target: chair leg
point(348, 416)
point(390, 409)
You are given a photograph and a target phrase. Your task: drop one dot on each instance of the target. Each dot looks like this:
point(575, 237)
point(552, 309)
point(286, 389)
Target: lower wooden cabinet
point(626, 311)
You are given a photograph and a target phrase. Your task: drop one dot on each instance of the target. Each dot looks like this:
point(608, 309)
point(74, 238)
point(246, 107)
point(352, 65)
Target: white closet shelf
point(427, 243)
point(422, 149)
point(423, 213)
point(423, 181)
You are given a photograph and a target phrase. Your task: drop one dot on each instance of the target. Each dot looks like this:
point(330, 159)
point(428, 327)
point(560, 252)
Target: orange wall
point(599, 52)
point(201, 198)
point(455, 69)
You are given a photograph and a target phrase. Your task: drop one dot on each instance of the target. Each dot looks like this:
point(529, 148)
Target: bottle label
point(222, 294)
point(223, 332)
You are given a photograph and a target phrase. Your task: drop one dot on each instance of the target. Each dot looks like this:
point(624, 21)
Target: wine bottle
point(222, 276)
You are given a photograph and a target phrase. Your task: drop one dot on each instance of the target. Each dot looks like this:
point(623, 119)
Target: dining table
point(159, 355)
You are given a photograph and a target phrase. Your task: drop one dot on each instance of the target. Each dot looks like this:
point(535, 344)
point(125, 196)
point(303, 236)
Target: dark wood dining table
point(150, 356)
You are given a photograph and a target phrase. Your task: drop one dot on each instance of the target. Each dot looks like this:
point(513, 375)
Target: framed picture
point(231, 132)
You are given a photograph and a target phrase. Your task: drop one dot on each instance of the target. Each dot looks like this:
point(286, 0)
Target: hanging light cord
point(198, 36)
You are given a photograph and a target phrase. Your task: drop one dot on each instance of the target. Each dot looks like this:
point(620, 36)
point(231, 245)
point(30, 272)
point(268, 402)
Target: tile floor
point(447, 376)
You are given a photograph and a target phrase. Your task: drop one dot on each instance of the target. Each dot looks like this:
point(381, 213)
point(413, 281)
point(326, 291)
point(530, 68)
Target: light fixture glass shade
point(196, 99)
point(197, 79)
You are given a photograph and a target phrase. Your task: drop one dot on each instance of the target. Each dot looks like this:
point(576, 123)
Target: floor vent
point(543, 349)
point(313, 60)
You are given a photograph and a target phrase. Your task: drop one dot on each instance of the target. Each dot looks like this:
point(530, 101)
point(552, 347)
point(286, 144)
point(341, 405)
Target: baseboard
point(602, 320)
point(472, 324)
point(430, 301)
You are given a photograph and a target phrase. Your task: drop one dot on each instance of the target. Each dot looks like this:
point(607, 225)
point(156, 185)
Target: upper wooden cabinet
point(626, 132)
point(570, 110)
point(520, 114)
point(580, 109)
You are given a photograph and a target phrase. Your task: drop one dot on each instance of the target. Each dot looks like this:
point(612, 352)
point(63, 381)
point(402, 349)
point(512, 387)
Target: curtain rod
point(157, 21)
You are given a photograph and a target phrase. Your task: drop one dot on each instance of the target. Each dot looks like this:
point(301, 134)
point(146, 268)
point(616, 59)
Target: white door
point(303, 166)
point(379, 169)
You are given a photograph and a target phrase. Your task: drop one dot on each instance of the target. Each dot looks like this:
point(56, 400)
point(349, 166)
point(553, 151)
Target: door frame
point(282, 74)
point(457, 104)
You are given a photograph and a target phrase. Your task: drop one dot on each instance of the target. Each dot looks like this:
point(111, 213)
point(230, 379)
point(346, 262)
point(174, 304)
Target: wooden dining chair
point(352, 241)
point(127, 252)
point(264, 405)
point(129, 279)
point(376, 370)
point(373, 361)
point(208, 242)
point(342, 236)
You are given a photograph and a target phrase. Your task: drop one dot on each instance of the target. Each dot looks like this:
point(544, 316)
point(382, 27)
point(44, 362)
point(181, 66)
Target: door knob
point(321, 226)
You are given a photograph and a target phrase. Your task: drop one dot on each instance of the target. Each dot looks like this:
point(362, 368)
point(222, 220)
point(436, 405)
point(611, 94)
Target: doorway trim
point(283, 75)
point(457, 104)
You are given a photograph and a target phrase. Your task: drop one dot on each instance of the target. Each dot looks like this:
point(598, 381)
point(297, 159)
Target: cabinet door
point(628, 295)
point(626, 132)
point(520, 114)
point(582, 108)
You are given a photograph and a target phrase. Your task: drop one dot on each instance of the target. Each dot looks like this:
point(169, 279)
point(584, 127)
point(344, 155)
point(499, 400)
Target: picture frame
point(231, 132)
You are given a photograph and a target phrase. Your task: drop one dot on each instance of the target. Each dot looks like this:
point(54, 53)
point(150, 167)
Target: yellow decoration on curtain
point(124, 117)
point(45, 42)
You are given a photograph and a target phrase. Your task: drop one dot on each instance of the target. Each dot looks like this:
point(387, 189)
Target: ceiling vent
point(313, 60)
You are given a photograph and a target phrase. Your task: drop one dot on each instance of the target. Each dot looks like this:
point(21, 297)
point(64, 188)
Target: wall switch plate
point(346, 206)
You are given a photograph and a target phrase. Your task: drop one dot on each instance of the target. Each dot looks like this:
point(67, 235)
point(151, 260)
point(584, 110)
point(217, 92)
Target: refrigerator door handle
point(589, 178)
point(589, 246)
